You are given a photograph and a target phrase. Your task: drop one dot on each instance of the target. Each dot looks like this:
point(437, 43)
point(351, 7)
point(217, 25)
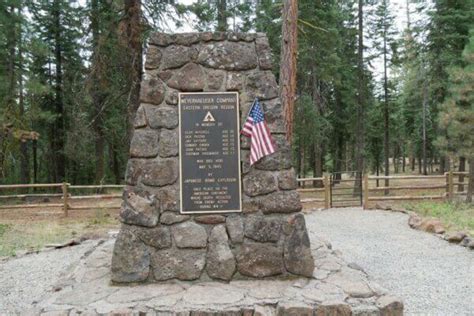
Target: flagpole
point(253, 104)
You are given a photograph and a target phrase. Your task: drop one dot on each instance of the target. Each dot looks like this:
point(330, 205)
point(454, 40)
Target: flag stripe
point(261, 141)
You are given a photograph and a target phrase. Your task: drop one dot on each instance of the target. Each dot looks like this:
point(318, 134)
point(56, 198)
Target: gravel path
point(432, 276)
point(25, 280)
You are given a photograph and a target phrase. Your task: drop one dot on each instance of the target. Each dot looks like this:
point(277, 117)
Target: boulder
point(389, 305)
point(170, 218)
point(189, 235)
point(152, 90)
point(456, 237)
point(168, 144)
point(175, 56)
point(182, 264)
point(260, 260)
point(210, 219)
point(144, 143)
point(235, 228)
point(297, 249)
point(191, 77)
point(280, 202)
point(258, 182)
point(220, 260)
point(228, 56)
point(261, 85)
point(153, 57)
point(131, 258)
point(262, 228)
point(160, 172)
point(215, 79)
point(468, 242)
point(287, 180)
point(138, 210)
point(158, 237)
point(264, 53)
point(161, 116)
point(140, 118)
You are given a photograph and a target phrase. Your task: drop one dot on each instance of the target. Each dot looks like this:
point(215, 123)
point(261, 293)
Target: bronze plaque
point(209, 152)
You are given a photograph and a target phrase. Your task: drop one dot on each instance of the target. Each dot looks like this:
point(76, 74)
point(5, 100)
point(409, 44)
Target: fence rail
point(65, 195)
point(66, 188)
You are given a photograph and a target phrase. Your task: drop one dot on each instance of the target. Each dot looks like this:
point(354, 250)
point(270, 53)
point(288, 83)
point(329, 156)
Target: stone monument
point(193, 208)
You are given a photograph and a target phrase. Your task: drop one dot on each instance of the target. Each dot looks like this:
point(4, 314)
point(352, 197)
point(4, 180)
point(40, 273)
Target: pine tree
point(456, 117)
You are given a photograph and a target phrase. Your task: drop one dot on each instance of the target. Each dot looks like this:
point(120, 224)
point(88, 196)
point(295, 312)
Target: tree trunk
point(59, 128)
point(470, 187)
point(360, 134)
point(318, 164)
point(462, 168)
point(97, 94)
point(221, 15)
point(386, 139)
point(131, 32)
point(24, 160)
point(114, 161)
point(424, 104)
point(288, 63)
point(35, 161)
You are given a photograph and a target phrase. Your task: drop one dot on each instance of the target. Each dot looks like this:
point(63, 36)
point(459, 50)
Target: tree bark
point(360, 134)
point(59, 125)
point(470, 187)
point(97, 89)
point(131, 32)
point(221, 15)
point(288, 63)
point(462, 168)
point(386, 139)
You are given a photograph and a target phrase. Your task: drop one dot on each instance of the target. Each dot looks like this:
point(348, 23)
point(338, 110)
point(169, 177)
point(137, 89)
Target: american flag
point(260, 137)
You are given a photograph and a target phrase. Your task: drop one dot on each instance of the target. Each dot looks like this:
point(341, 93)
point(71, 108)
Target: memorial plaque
point(209, 152)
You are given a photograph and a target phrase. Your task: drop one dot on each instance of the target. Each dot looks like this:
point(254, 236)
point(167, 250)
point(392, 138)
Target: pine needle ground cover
point(456, 216)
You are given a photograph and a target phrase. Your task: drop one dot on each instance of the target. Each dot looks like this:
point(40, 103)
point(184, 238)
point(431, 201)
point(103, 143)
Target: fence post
point(450, 186)
point(326, 191)
point(65, 198)
point(366, 191)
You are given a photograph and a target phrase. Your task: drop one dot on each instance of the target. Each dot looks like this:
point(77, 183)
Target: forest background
point(372, 94)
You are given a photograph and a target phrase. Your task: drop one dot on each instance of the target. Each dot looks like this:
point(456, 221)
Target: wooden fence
point(65, 195)
point(445, 190)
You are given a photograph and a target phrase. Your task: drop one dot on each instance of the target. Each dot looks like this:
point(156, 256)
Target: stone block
point(228, 56)
point(175, 56)
point(220, 259)
point(297, 249)
point(287, 180)
point(215, 80)
point(153, 57)
point(138, 210)
point(182, 264)
point(161, 116)
point(144, 143)
point(191, 77)
point(262, 229)
point(261, 85)
point(260, 260)
point(264, 53)
point(210, 219)
point(258, 182)
point(235, 228)
point(170, 218)
point(390, 306)
point(189, 235)
point(131, 258)
point(160, 172)
point(280, 202)
point(140, 118)
point(168, 144)
point(158, 237)
point(279, 160)
point(152, 90)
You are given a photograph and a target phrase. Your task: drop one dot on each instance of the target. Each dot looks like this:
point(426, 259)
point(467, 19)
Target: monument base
point(335, 289)
point(268, 238)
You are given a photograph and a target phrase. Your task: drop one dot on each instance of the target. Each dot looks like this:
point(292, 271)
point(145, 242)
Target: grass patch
point(455, 215)
point(34, 235)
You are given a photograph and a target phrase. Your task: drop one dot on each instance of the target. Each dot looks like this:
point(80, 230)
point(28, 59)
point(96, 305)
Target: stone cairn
point(156, 242)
